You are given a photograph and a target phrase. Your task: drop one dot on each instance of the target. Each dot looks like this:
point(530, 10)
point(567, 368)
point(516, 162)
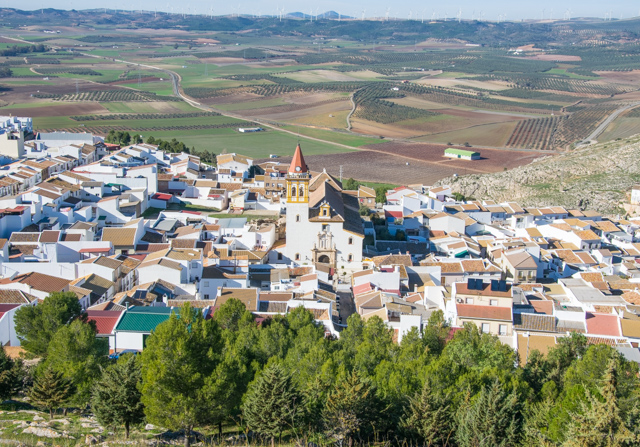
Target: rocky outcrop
point(596, 177)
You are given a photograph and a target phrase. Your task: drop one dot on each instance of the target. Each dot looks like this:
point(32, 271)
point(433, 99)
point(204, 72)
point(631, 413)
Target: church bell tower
point(298, 179)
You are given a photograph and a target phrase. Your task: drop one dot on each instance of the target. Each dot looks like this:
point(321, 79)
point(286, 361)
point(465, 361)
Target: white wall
point(58, 269)
point(128, 340)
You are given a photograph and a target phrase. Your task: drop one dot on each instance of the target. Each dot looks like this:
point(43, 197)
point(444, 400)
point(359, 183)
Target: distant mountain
point(330, 15)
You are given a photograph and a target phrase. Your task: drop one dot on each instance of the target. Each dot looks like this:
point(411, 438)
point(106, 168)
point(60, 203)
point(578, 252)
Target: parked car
point(116, 355)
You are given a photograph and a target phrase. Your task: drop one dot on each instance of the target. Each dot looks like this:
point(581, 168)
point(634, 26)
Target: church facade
point(323, 223)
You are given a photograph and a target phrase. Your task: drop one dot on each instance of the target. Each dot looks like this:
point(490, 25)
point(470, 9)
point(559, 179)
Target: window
point(469, 301)
point(301, 191)
point(493, 302)
point(297, 256)
point(324, 211)
point(350, 258)
point(297, 217)
point(206, 297)
point(279, 256)
point(350, 241)
point(485, 328)
point(206, 283)
point(293, 191)
point(502, 329)
point(325, 227)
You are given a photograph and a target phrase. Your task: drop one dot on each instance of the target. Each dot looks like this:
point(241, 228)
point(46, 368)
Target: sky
point(402, 9)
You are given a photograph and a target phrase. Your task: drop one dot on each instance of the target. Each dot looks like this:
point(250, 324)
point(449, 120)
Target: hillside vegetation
point(597, 177)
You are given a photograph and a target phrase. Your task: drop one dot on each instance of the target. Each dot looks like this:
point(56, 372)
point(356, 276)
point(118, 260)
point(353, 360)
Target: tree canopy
point(36, 325)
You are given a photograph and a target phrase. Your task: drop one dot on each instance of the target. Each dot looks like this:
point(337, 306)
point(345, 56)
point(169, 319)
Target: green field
point(256, 145)
point(347, 139)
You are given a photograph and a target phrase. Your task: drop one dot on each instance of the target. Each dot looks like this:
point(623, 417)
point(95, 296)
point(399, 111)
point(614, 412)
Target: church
point(323, 223)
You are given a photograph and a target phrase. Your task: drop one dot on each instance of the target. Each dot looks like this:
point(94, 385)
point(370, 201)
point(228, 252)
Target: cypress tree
point(492, 419)
point(50, 390)
point(272, 404)
point(116, 399)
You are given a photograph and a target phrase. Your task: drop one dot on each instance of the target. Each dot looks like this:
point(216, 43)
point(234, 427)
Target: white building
point(323, 225)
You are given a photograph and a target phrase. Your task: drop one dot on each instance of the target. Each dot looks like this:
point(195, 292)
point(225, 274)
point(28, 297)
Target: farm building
point(460, 153)
point(250, 129)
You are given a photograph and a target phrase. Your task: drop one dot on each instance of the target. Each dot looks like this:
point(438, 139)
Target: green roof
point(451, 150)
point(143, 319)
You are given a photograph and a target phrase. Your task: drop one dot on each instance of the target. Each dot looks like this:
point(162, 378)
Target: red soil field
point(88, 108)
point(407, 163)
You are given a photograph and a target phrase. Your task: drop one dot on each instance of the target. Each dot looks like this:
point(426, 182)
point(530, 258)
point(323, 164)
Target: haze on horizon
point(403, 9)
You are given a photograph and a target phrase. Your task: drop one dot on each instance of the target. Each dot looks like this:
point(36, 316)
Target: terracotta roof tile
point(483, 312)
point(601, 324)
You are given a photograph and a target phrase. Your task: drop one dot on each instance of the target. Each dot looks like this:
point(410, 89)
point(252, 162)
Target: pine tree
point(180, 356)
point(9, 376)
point(272, 403)
point(492, 419)
point(600, 422)
point(429, 416)
point(349, 408)
point(116, 399)
point(50, 390)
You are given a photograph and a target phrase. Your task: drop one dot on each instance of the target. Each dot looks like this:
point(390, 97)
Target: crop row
point(273, 90)
point(579, 125)
point(387, 112)
point(249, 53)
point(107, 96)
point(103, 130)
point(70, 70)
point(265, 77)
point(486, 62)
point(43, 60)
point(542, 82)
point(208, 92)
point(534, 133)
point(142, 116)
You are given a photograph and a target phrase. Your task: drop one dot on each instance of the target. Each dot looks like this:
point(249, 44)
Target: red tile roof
point(105, 320)
point(602, 324)
point(95, 250)
point(483, 312)
point(160, 196)
point(298, 164)
point(362, 288)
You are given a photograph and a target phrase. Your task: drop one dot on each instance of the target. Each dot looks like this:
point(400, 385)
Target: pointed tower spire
point(298, 166)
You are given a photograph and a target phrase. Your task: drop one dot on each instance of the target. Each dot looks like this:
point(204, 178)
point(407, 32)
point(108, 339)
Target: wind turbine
point(387, 14)
point(459, 15)
point(410, 14)
point(363, 11)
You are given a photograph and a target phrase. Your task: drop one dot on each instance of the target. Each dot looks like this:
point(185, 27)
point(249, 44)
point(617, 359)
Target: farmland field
point(368, 104)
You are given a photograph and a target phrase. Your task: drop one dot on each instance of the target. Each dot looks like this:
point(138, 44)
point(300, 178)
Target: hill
point(597, 177)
